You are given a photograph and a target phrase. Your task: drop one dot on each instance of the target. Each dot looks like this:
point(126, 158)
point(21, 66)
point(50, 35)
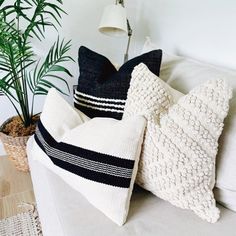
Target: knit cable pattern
point(181, 141)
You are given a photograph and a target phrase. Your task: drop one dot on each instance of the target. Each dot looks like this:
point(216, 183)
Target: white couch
point(64, 212)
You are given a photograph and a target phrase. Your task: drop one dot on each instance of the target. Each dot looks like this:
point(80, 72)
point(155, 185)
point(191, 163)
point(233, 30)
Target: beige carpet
point(23, 224)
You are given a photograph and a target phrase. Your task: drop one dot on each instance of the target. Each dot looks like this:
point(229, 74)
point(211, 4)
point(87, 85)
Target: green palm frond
point(39, 80)
point(17, 56)
point(38, 22)
point(1, 2)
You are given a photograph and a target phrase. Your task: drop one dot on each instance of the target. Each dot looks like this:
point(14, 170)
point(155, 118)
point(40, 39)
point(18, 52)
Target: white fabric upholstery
point(180, 145)
point(59, 116)
point(65, 212)
point(105, 169)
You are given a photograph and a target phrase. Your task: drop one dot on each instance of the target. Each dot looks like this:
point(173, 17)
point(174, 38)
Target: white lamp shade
point(114, 21)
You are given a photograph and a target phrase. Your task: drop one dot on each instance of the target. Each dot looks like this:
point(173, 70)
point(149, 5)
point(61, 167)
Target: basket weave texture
point(15, 148)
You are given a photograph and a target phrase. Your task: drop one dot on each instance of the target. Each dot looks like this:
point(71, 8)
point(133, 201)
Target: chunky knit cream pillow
point(178, 158)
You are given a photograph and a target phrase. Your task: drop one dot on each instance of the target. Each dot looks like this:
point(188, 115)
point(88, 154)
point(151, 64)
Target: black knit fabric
point(102, 90)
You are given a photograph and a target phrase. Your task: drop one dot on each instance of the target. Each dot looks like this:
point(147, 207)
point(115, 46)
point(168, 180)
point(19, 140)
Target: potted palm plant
point(23, 76)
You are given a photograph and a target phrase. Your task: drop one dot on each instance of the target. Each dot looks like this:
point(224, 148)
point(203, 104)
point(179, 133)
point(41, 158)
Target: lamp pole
point(126, 56)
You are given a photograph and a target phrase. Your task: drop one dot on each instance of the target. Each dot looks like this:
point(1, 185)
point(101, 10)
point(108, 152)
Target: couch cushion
point(180, 145)
point(184, 74)
point(102, 90)
point(99, 158)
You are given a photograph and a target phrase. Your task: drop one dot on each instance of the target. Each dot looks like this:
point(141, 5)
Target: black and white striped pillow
point(99, 106)
point(102, 90)
point(98, 157)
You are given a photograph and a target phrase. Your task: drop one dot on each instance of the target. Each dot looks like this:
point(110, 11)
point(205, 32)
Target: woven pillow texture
point(184, 74)
point(102, 90)
point(97, 157)
point(177, 162)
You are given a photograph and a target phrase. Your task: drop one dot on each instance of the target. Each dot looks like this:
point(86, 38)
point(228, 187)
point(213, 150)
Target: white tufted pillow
point(184, 74)
point(178, 158)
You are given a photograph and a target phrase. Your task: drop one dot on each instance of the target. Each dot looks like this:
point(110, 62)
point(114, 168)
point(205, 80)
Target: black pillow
point(102, 90)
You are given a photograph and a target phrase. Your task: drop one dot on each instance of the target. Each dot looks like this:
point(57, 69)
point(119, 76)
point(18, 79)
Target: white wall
point(202, 29)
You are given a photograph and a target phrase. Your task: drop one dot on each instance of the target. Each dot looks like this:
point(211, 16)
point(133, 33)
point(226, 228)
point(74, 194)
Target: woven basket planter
point(15, 148)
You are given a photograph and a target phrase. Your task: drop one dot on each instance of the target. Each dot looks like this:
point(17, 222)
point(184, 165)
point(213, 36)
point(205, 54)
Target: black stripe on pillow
point(80, 96)
point(100, 106)
point(88, 164)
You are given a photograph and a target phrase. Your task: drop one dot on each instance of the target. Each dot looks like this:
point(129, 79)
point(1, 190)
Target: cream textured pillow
point(178, 158)
point(98, 158)
point(184, 74)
